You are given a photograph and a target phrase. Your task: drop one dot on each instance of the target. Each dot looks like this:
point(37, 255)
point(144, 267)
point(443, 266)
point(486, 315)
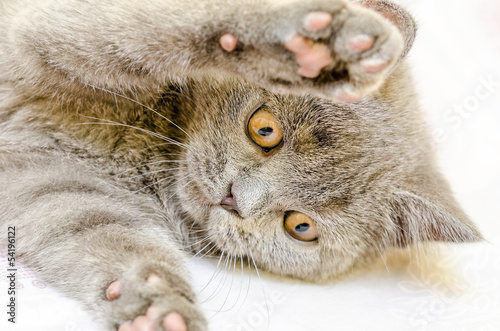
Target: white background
point(458, 48)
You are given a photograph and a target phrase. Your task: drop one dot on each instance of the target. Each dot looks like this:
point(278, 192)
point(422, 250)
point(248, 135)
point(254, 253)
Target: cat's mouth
point(229, 202)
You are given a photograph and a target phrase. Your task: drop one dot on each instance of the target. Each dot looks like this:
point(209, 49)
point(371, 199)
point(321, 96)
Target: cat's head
point(309, 188)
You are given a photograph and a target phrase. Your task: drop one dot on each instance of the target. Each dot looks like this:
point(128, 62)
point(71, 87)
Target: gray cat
point(287, 135)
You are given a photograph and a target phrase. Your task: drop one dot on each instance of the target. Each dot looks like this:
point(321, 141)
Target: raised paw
point(354, 59)
point(153, 303)
point(366, 48)
point(334, 49)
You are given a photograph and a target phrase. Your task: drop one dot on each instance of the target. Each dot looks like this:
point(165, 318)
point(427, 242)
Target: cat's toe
point(361, 43)
point(127, 326)
point(143, 323)
point(317, 58)
point(310, 57)
point(151, 298)
point(348, 94)
point(299, 44)
point(316, 21)
point(154, 279)
point(114, 290)
point(373, 66)
point(149, 322)
point(366, 48)
point(174, 322)
point(228, 42)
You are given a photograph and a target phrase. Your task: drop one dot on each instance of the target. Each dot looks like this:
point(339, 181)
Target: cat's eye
point(264, 130)
point(300, 226)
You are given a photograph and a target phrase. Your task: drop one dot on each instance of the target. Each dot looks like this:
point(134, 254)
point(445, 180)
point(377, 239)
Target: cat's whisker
point(141, 104)
point(175, 182)
point(192, 231)
point(241, 286)
point(110, 122)
point(229, 292)
point(201, 250)
point(180, 188)
point(150, 163)
point(154, 172)
point(215, 272)
point(155, 183)
point(150, 147)
point(154, 134)
point(232, 261)
point(198, 242)
point(249, 273)
point(220, 286)
point(262, 287)
point(383, 258)
point(210, 250)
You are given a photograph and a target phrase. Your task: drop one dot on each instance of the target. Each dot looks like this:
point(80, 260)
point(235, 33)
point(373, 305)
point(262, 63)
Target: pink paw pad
point(174, 322)
point(299, 45)
point(317, 58)
point(361, 43)
point(349, 97)
point(309, 56)
point(309, 73)
point(228, 42)
point(154, 279)
point(316, 21)
point(114, 290)
point(143, 323)
point(373, 65)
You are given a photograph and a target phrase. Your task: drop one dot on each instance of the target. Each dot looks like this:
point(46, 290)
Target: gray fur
point(102, 186)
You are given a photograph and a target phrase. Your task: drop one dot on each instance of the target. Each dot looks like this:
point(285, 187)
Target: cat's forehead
point(311, 124)
point(323, 149)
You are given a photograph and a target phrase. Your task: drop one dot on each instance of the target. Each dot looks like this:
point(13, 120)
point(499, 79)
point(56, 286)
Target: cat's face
point(308, 185)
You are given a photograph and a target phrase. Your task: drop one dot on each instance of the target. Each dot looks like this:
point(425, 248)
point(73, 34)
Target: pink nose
point(229, 202)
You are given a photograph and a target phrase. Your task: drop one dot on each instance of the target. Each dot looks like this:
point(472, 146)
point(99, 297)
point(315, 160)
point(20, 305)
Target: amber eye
point(264, 130)
point(301, 227)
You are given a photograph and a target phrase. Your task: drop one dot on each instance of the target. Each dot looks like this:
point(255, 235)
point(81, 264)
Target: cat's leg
point(331, 48)
point(101, 245)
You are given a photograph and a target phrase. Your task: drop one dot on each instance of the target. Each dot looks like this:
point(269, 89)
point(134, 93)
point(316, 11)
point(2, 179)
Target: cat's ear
point(397, 15)
point(418, 219)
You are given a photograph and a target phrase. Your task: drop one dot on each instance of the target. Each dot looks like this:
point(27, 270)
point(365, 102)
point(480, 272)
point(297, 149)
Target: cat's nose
point(229, 202)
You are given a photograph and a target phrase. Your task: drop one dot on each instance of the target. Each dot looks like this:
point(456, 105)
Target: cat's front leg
point(109, 249)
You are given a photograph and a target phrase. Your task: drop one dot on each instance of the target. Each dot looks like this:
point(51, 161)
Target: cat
point(283, 134)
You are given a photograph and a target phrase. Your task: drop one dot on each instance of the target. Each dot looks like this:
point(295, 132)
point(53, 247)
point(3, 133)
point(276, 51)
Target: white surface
point(457, 49)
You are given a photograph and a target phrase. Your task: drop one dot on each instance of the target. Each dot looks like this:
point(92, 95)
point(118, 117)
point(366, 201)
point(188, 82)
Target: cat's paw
point(149, 300)
point(343, 52)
